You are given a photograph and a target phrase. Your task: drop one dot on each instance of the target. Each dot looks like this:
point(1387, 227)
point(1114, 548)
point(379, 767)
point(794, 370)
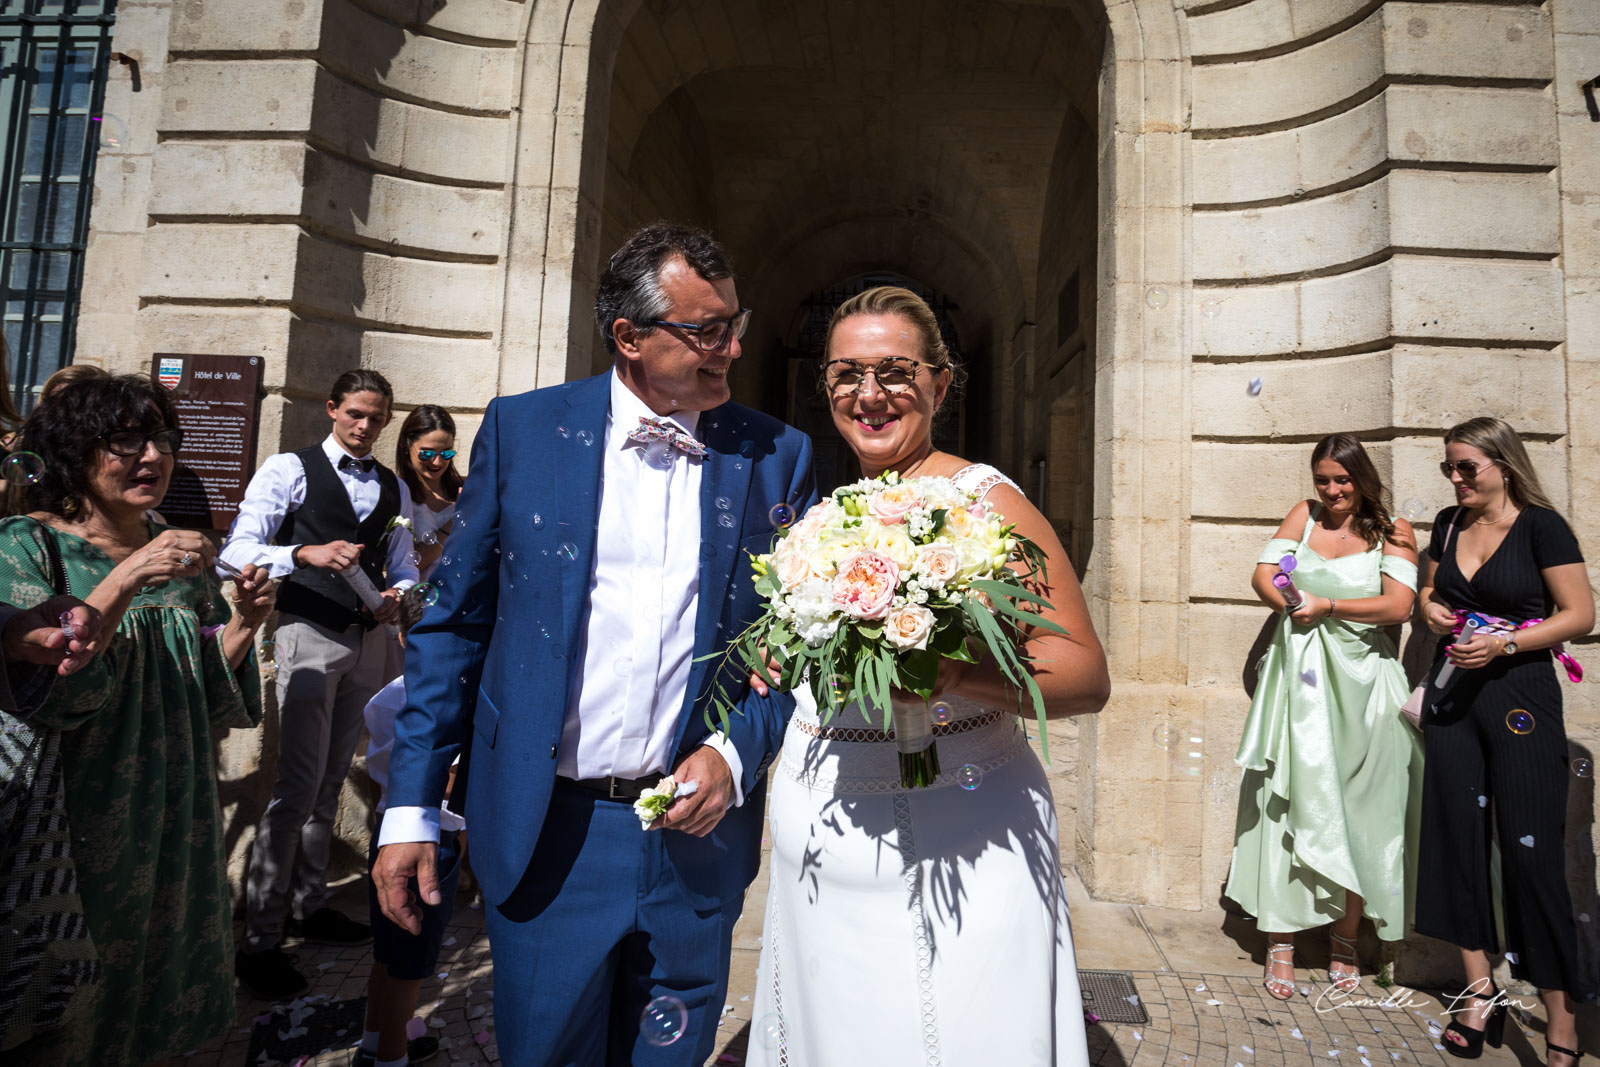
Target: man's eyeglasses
point(1467, 468)
point(844, 377)
point(132, 442)
point(710, 336)
point(427, 455)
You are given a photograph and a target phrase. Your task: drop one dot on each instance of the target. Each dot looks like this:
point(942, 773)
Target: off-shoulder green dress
point(1331, 791)
point(141, 795)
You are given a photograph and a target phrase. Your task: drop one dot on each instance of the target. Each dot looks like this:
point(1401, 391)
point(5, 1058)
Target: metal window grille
point(53, 59)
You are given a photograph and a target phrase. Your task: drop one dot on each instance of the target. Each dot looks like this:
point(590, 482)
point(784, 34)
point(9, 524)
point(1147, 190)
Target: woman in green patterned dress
point(1331, 791)
point(173, 662)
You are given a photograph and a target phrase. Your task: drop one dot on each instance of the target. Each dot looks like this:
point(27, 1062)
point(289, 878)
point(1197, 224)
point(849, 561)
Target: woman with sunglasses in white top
point(1497, 761)
point(425, 458)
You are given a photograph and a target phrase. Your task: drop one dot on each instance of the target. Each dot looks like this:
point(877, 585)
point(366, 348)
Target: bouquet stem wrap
point(913, 737)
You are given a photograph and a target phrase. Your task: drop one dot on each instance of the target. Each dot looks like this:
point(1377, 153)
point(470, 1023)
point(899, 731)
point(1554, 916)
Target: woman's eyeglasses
point(1467, 468)
point(132, 442)
point(845, 377)
point(428, 455)
point(710, 336)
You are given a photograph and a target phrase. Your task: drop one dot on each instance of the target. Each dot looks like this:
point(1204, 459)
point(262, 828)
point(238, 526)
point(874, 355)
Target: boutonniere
point(654, 802)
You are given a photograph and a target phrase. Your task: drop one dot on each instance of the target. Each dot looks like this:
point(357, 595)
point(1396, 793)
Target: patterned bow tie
point(651, 431)
point(351, 463)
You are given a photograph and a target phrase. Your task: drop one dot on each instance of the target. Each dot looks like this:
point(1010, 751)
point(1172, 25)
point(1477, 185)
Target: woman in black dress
point(1496, 748)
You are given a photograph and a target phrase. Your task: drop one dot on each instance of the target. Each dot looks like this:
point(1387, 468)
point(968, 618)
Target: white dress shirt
point(380, 714)
point(279, 487)
point(638, 647)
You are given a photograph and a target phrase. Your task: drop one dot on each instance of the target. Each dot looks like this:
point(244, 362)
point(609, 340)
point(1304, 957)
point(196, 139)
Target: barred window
point(53, 58)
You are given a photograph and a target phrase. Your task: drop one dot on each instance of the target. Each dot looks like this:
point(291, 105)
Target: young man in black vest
point(309, 516)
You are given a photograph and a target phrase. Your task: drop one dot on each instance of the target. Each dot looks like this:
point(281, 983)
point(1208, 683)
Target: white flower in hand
point(654, 802)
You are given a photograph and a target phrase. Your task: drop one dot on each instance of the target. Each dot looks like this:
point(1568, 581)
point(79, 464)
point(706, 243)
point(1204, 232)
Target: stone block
point(121, 190)
point(1236, 636)
point(396, 290)
point(420, 141)
point(1279, 89)
point(1515, 213)
point(218, 178)
point(1257, 481)
point(486, 20)
point(1580, 235)
point(1456, 40)
point(1292, 238)
point(143, 30)
point(1452, 124)
point(1222, 559)
point(1231, 170)
point(1246, 321)
point(412, 363)
point(1580, 155)
point(232, 331)
point(378, 53)
point(1583, 319)
point(254, 26)
point(1264, 24)
point(1513, 301)
point(1575, 16)
point(1438, 387)
point(401, 211)
point(1298, 396)
point(215, 96)
point(1345, 309)
point(220, 262)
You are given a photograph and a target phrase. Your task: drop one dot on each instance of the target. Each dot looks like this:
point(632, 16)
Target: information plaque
point(219, 409)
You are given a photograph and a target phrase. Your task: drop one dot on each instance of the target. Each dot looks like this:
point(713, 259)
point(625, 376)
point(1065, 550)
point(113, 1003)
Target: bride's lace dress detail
point(915, 928)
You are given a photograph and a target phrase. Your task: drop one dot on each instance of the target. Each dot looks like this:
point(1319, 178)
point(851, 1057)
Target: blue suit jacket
point(497, 654)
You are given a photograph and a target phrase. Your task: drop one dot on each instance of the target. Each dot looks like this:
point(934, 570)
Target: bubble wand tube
point(367, 593)
point(1292, 597)
point(1468, 628)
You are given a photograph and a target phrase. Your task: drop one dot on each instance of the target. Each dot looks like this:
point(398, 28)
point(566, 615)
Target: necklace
point(1485, 522)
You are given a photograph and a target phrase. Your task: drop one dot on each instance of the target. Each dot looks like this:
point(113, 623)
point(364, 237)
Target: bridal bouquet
point(877, 584)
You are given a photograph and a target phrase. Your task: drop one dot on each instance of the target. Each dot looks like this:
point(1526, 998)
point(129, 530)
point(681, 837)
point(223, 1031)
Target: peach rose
point(959, 523)
point(792, 568)
point(909, 627)
point(892, 504)
point(865, 584)
point(938, 562)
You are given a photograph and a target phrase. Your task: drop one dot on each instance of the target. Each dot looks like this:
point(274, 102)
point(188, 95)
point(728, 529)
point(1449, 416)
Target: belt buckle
point(611, 789)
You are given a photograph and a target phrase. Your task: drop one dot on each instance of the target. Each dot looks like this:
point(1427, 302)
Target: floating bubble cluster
point(425, 593)
point(663, 1021)
point(22, 468)
point(1519, 721)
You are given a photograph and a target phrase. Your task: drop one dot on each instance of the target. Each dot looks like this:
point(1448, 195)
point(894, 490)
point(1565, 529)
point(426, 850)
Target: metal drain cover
point(1112, 996)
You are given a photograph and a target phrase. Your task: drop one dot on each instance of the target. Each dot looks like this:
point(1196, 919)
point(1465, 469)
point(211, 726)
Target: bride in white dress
point(926, 926)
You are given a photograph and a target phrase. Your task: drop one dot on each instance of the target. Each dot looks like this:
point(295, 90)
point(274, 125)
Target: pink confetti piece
point(415, 1028)
point(481, 1037)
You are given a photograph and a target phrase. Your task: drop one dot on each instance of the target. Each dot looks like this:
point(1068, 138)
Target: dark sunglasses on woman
point(1467, 468)
point(132, 442)
point(427, 455)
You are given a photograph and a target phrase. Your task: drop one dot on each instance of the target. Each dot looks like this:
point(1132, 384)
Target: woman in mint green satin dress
point(1330, 797)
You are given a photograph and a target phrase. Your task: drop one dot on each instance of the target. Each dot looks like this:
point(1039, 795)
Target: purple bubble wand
point(1469, 628)
point(1292, 597)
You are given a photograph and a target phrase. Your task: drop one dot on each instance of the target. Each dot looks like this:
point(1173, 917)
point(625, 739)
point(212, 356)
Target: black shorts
point(408, 956)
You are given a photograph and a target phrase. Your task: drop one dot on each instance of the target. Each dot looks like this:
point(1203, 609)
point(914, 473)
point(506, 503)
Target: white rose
point(792, 568)
point(938, 562)
point(909, 627)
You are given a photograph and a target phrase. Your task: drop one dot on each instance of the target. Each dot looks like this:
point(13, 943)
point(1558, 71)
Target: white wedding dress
point(922, 927)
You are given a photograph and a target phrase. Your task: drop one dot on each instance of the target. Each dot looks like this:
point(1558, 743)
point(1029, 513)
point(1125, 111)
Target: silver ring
point(188, 558)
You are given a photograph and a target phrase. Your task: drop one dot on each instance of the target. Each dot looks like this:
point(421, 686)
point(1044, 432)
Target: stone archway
point(913, 173)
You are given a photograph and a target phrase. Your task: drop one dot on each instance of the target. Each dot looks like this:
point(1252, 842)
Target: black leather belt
point(626, 790)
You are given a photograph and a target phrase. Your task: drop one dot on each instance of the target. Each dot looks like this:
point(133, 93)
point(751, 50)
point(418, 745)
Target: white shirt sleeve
point(402, 824)
point(400, 571)
point(278, 488)
point(718, 742)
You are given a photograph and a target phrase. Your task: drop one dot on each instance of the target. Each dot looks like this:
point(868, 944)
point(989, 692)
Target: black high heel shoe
point(1493, 1032)
point(1549, 1048)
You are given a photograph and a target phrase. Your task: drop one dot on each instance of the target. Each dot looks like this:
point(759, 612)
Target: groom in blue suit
point(599, 555)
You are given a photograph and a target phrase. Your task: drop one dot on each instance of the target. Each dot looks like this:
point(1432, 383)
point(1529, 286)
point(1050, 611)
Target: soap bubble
point(781, 516)
point(1581, 767)
point(1210, 308)
point(414, 558)
point(660, 457)
point(563, 433)
point(1519, 721)
point(768, 1030)
point(511, 557)
point(723, 503)
point(663, 1021)
point(585, 437)
point(726, 521)
point(22, 468)
point(567, 551)
point(424, 594)
point(113, 131)
point(1254, 388)
point(538, 521)
point(969, 777)
point(1156, 297)
point(1165, 736)
point(940, 711)
point(623, 667)
point(1413, 510)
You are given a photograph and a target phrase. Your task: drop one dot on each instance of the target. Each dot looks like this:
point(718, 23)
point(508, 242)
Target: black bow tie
point(351, 463)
